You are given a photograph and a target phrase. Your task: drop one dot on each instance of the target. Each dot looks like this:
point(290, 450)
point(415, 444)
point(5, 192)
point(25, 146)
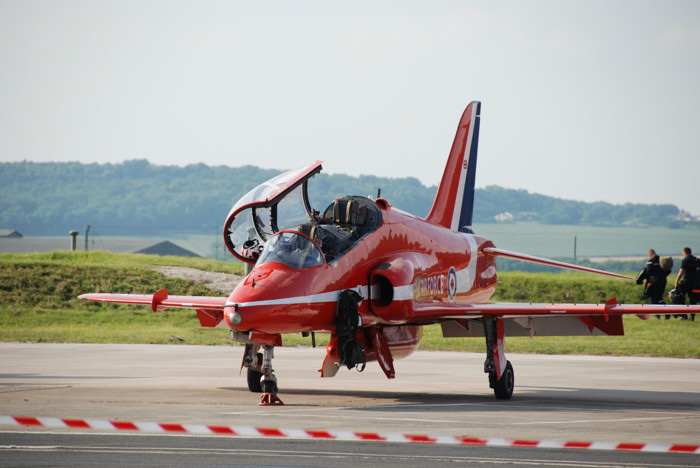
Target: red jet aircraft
point(372, 275)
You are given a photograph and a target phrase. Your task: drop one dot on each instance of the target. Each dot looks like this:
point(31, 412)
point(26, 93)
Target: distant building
point(167, 248)
point(9, 233)
point(504, 217)
point(687, 217)
point(114, 245)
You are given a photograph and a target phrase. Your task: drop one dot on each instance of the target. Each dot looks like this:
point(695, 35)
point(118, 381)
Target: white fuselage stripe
point(331, 296)
point(401, 293)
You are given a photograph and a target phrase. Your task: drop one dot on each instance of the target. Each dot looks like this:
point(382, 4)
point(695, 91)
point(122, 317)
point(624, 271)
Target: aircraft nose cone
point(234, 318)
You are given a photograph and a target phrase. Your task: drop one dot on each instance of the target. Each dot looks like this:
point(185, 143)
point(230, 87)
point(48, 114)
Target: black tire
point(254, 384)
point(269, 386)
point(504, 388)
point(254, 377)
point(492, 380)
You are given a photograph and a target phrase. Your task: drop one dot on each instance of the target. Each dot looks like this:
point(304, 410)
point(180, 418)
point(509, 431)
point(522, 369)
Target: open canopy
point(280, 203)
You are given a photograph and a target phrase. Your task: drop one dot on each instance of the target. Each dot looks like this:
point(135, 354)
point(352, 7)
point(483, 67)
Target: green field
point(38, 303)
point(592, 241)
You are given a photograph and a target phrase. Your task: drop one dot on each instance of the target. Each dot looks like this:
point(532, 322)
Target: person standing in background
point(654, 279)
point(688, 278)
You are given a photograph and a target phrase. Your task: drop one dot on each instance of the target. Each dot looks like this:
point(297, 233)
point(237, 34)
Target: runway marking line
point(250, 431)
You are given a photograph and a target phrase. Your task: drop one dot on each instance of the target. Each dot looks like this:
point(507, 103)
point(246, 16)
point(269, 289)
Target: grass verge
point(38, 303)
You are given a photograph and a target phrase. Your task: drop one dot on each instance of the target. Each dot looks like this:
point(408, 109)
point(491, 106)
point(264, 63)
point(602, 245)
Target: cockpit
point(275, 222)
point(293, 249)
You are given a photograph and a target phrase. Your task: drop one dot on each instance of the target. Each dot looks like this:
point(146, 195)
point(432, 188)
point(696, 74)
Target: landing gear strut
point(500, 371)
point(350, 351)
point(261, 377)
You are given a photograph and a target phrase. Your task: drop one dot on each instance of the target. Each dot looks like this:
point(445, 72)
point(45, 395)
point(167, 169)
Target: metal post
point(74, 240)
point(87, 229)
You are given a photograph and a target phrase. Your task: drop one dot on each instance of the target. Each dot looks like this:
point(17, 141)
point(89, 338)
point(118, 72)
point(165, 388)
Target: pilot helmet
point(251, 249)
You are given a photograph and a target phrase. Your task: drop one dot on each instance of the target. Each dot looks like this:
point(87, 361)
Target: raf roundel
point(452, 284)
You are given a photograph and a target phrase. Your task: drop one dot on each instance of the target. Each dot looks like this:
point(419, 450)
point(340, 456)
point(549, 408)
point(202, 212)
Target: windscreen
point(293, 249)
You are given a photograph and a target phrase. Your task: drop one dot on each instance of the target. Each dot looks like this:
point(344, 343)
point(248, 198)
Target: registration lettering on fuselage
point(430, 287)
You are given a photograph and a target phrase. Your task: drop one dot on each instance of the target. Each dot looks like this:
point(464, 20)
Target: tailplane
point(454, 203)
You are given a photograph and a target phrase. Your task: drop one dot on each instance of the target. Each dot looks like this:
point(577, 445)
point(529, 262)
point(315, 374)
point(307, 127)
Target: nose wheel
point(252, 360)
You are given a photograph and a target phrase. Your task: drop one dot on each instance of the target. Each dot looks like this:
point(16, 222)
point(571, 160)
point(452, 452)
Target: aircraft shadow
point(535, 399)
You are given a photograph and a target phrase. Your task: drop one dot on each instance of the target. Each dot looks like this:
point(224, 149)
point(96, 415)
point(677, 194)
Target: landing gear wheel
point(269, 386)
point(254, 384)
point(254, 377)
point(503, 389)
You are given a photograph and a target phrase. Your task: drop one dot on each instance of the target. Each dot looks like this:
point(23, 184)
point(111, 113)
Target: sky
point(583, 100)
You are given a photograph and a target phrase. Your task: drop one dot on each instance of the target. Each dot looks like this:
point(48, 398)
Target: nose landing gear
point(268, 381)
point(260, 375)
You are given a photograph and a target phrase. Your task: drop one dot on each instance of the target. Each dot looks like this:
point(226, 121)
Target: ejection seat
point(345, 222)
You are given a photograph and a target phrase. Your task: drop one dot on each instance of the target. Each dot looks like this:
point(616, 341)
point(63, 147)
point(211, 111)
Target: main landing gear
point(350, 351)
point(261, 377)
point(500, 371)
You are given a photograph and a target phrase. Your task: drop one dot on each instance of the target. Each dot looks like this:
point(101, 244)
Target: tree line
point(139, 198)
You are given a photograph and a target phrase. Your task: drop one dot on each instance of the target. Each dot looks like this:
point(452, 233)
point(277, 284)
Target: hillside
point(137, 198)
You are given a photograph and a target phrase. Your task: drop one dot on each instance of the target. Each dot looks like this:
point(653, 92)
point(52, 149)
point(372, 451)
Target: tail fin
point(454, 203)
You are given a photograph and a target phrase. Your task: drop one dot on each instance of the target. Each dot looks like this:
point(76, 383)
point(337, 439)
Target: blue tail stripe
point(467, 212)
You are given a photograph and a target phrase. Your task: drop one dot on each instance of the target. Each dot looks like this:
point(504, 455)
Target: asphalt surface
point(49, 450)
point(577, 398)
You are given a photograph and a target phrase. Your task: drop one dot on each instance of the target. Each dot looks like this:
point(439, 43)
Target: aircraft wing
point(546, 261)
point(210, 309)
point(516, 309)
point(541, 319)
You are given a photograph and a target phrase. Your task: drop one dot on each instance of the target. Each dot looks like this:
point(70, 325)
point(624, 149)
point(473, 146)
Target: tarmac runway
point(575, 398)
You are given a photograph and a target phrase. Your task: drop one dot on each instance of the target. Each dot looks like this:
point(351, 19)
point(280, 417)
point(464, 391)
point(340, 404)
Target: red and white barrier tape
point(249, 431)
